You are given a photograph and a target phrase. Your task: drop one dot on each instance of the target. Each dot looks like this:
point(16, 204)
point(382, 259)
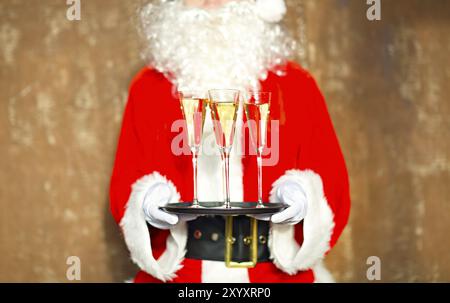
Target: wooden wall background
point(63, 87)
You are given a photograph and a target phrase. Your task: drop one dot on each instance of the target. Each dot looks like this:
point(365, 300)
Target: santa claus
point(195, 44)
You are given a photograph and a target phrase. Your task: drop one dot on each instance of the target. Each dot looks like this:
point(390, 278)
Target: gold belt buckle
point(229, 241)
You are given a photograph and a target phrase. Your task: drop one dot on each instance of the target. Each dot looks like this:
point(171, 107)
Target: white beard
point(197, 49)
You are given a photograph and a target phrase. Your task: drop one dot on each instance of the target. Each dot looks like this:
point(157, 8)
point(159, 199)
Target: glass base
point(195, 205)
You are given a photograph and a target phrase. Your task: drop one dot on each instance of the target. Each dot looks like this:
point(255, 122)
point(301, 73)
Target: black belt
point(206, 239)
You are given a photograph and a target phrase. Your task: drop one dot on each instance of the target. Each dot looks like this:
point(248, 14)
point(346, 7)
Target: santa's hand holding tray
point(204, 45)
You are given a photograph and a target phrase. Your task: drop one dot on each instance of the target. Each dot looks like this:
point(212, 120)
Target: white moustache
point(228, 47)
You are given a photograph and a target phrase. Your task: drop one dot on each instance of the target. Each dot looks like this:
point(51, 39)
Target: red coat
point(309, 153)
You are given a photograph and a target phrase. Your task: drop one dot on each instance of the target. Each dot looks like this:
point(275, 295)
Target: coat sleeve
point(135, 171)
point(320, 170)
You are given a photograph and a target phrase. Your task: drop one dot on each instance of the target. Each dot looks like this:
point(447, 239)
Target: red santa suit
point(309, 154)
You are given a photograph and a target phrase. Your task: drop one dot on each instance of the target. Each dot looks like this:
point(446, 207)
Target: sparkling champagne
point(257, 115)
point(194, 112)
point(193, 107)
point(224, 104)
point(257, 110)
point(224, 118)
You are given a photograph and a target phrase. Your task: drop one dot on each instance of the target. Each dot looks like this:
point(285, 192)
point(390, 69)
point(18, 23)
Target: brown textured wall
point(62, 91)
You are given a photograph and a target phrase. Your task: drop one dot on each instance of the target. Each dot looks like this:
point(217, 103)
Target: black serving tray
point(217, 208)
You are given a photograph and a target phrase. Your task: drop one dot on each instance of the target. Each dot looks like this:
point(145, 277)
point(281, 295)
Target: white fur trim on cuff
point(322, 274)
point(317, 227)
point(137, 236)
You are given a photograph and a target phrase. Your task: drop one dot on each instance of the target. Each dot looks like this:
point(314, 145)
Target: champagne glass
point(193, 106)
point(257, 109)
point(224, 106)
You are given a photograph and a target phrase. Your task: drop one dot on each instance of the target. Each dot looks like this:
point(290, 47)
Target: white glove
point(291, 193)
point(159, 195)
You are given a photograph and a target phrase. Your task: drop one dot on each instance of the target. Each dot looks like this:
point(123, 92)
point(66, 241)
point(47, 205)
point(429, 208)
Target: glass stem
point(226, 156)
point(259, 162)
point(224, 188)
point(194, 169)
